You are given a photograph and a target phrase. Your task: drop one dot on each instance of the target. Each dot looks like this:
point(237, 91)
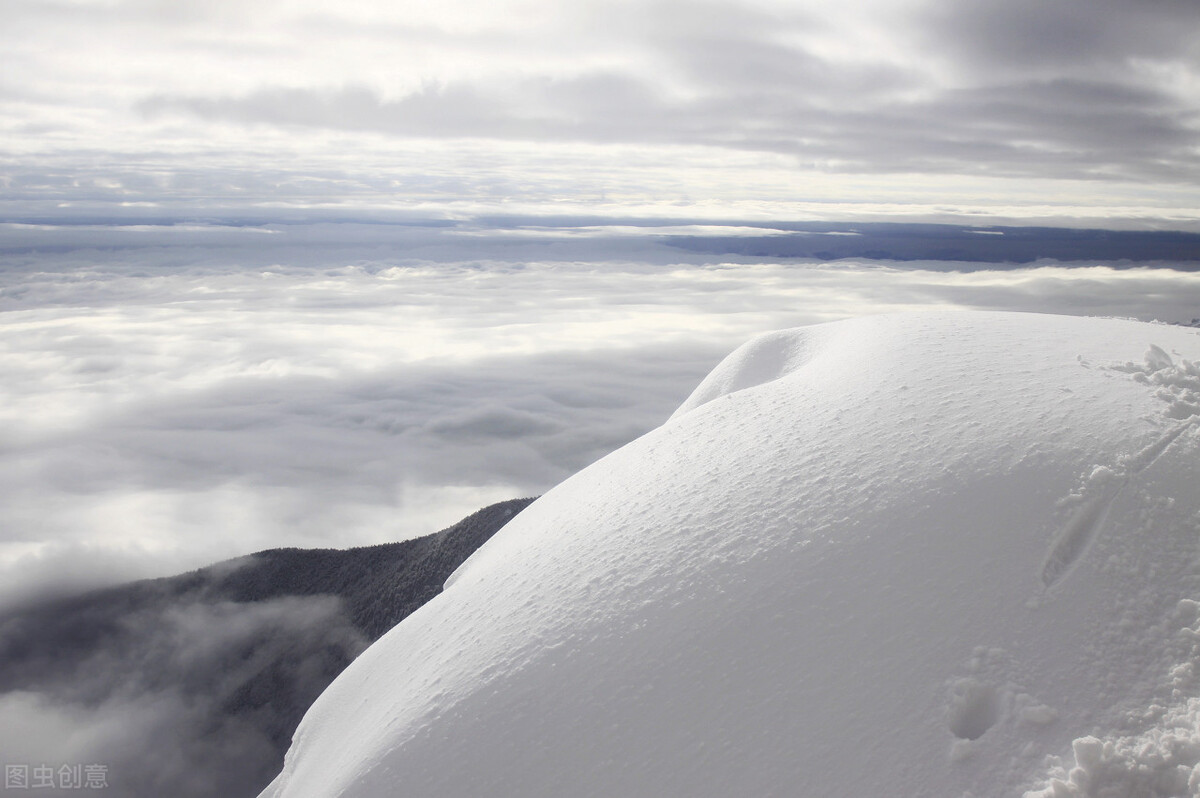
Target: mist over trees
point(192, 685)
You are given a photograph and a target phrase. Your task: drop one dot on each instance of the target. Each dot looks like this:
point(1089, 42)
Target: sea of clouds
point(173, 395)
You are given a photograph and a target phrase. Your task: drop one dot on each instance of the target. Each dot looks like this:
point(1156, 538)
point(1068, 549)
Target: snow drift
point(931, 554)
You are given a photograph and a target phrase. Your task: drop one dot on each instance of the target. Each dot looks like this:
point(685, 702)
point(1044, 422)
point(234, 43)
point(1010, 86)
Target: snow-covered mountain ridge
point(929, 554)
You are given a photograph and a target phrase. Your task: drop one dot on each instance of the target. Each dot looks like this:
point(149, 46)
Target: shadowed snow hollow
point(914, 555)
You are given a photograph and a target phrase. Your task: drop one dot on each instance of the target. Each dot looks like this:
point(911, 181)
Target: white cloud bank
point(162, 410)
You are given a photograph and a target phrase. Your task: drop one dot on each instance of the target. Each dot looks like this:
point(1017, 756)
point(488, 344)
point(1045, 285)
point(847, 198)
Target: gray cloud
point(1030, 37)
point(584, 101)
point(259, 462)
point(350, 435)
point(1024, 89)
point(595, 107)
point(157, 696)
point(1064, 128)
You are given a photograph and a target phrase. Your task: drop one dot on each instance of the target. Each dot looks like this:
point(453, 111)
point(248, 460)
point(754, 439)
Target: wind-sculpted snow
point(934, 554)
point(765, 359)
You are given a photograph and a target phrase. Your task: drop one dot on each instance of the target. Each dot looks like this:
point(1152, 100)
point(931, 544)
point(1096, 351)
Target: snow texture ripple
point(936, 554)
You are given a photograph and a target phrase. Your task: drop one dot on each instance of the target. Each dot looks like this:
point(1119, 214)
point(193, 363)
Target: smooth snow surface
point(933, 554)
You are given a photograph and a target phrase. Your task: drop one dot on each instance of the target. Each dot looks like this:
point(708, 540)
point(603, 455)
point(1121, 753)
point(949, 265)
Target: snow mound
point(931, 554)
point(764, 359)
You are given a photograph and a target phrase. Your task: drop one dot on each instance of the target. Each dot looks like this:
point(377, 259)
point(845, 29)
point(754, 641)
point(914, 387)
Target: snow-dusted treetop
point(904, 555)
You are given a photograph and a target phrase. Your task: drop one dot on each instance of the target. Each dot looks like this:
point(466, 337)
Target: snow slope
point(931, 554)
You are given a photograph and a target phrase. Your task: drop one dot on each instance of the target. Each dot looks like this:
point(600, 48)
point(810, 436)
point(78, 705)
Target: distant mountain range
point(237, 652)
point(945, 242)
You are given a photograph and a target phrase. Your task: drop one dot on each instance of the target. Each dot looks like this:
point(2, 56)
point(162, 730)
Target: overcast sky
point(736, 108)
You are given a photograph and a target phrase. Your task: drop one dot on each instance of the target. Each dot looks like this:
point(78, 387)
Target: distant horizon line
point(783, 239)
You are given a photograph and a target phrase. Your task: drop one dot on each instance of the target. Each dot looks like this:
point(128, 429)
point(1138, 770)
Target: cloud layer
point(157, 694)
point(168, 406)
point(587, 101)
